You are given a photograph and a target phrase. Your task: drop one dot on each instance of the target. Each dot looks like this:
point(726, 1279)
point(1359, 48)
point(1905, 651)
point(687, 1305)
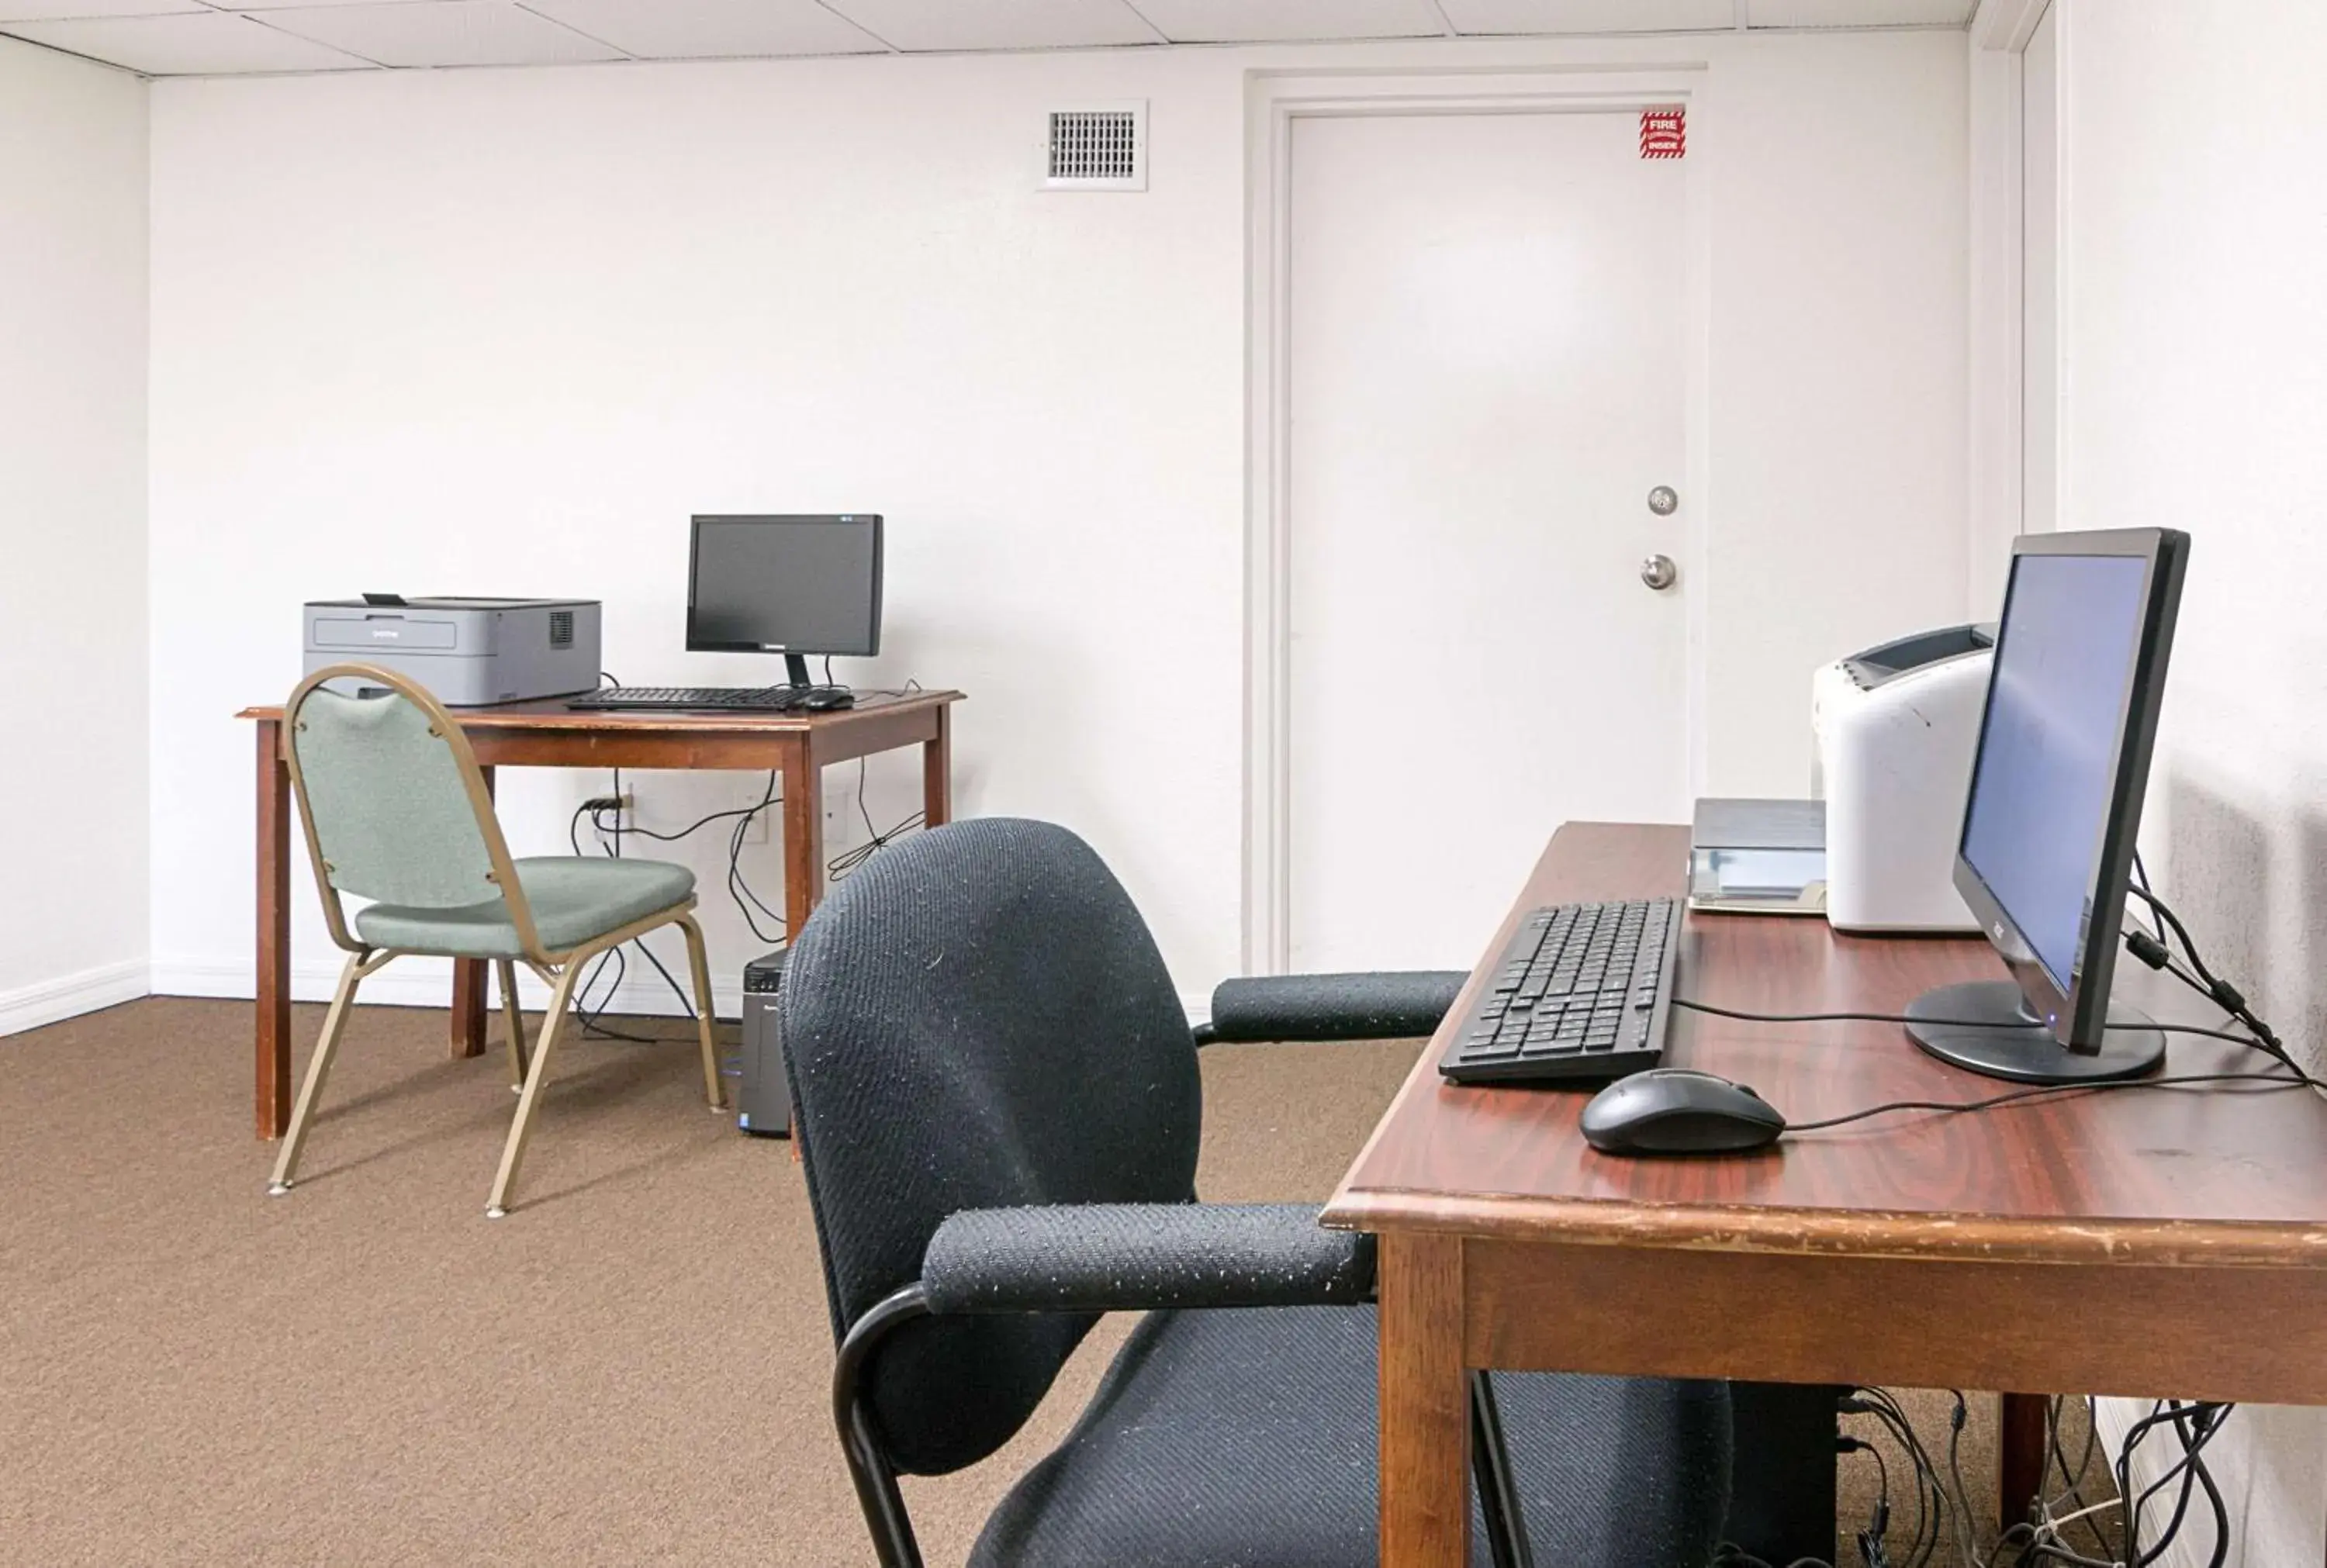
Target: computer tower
point(764, 1102)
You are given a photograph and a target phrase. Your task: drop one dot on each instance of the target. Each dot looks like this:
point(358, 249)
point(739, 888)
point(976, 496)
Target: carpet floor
point(631, 1369)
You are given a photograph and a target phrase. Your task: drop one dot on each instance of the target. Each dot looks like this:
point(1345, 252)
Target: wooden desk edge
point(1853, 1233)
point(519, 715)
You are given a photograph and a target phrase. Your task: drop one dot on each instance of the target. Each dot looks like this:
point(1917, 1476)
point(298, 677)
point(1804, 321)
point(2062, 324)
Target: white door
point(1486, 342)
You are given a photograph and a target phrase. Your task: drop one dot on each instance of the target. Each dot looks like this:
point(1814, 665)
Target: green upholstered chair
point(397, 812)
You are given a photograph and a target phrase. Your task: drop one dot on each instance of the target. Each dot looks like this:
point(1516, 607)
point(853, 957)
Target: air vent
point(1097, 147)
point(561, 629)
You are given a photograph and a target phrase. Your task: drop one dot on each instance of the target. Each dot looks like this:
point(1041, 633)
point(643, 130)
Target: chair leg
point(514, 1019)
point(1490, 1465)
point(286, 1164)
point(552, 1026)
point(697, 961)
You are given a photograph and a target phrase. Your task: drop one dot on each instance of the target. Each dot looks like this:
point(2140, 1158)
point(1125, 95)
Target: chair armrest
point(1289, 1007)
point(1138, 1257)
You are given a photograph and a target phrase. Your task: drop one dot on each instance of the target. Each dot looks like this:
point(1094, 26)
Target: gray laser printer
point(470, 653)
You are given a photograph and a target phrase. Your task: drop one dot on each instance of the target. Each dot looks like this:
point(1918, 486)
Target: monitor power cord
point(2011, 1097)
point(2154, 952)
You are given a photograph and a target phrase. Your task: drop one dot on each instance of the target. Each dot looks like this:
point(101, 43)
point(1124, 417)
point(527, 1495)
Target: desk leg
point(1425, 1427)
point(468, 991)
point(2019, 1454)
point(271, 1030)
point(803, 838)
point(937, 772)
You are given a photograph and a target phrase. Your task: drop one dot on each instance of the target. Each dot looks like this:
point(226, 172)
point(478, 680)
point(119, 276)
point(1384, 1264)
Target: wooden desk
point(549, 734)
point(2141, 1242)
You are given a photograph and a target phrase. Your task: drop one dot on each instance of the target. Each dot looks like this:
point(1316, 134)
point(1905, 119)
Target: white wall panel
point(72, 527)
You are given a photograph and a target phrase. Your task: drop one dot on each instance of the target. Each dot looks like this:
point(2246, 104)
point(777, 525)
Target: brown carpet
point(631, 1369)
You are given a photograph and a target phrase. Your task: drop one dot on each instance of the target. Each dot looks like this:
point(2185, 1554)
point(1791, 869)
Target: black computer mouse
point(1671, 1110)
point(824, 699)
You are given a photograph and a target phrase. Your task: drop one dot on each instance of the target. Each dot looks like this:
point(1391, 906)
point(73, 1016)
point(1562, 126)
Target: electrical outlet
point(614, 810)
point(755, 828)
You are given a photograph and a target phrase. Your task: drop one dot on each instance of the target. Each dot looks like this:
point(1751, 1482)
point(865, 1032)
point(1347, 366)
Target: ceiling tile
point(1857, 12)
point(61, 10)
point(1257, 21)
point(210, 44)
point(425, 33)
point(707, 29)
point(918, 24)
point(1483, 16)
point(257, 5)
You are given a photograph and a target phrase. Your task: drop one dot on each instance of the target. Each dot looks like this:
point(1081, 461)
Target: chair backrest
point(395, 804)
point(978, 1019)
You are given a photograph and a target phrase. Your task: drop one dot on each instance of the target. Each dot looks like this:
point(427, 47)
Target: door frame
point(1274, 102)
point(1998, 42)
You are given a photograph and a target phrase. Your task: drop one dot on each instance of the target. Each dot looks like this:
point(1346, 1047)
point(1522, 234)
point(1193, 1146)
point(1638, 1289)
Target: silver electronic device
point(766, 1107)
point(472, 653)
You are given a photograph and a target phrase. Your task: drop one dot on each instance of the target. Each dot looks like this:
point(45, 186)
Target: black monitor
point(2053, 804)
point(794, 585)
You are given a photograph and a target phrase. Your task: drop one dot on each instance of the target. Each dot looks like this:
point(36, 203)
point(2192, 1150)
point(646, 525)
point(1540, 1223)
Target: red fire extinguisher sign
point(1664, 133)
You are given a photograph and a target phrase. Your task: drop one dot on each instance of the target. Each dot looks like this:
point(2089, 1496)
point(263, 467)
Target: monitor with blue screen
point(2053, 804)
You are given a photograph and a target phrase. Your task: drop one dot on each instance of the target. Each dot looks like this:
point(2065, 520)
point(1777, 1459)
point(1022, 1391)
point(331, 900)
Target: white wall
point(489, 331)
point(2196, 348)
point(72, 534)
point(1838, 376)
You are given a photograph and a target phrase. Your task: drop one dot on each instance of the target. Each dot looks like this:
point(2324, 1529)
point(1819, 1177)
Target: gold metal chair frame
point(558, 968)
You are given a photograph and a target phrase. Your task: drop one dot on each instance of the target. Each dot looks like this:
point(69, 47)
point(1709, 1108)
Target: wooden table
point(2143, 1242)
point(549, 734)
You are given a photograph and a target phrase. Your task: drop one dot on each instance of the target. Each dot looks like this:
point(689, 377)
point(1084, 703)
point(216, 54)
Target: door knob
point(1659, 573)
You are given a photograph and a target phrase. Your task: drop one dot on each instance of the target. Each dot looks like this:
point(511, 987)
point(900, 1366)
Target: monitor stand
point(1986, 1027)
point(796, 672)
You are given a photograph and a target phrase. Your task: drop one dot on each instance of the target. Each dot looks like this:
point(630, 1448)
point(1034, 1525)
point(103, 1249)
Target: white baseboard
point(70, 995)
point(428, 983)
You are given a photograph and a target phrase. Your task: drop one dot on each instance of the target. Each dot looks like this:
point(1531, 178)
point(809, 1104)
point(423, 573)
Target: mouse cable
point(2172, 1080)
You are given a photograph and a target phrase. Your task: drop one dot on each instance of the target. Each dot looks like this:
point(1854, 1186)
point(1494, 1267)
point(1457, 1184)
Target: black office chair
point(1389, 1004)
point(998, 1106)
point(1781, 1490)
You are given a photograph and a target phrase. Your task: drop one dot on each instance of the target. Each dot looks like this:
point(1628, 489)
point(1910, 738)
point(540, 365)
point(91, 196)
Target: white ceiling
point(243, 37)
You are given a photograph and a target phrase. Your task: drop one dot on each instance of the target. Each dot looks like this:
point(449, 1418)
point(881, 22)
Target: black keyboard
point(782, 699)
point(1581, 993)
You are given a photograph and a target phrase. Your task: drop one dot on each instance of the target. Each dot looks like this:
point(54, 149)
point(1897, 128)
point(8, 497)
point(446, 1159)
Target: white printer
point(1896, 726)
point(469, 653)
